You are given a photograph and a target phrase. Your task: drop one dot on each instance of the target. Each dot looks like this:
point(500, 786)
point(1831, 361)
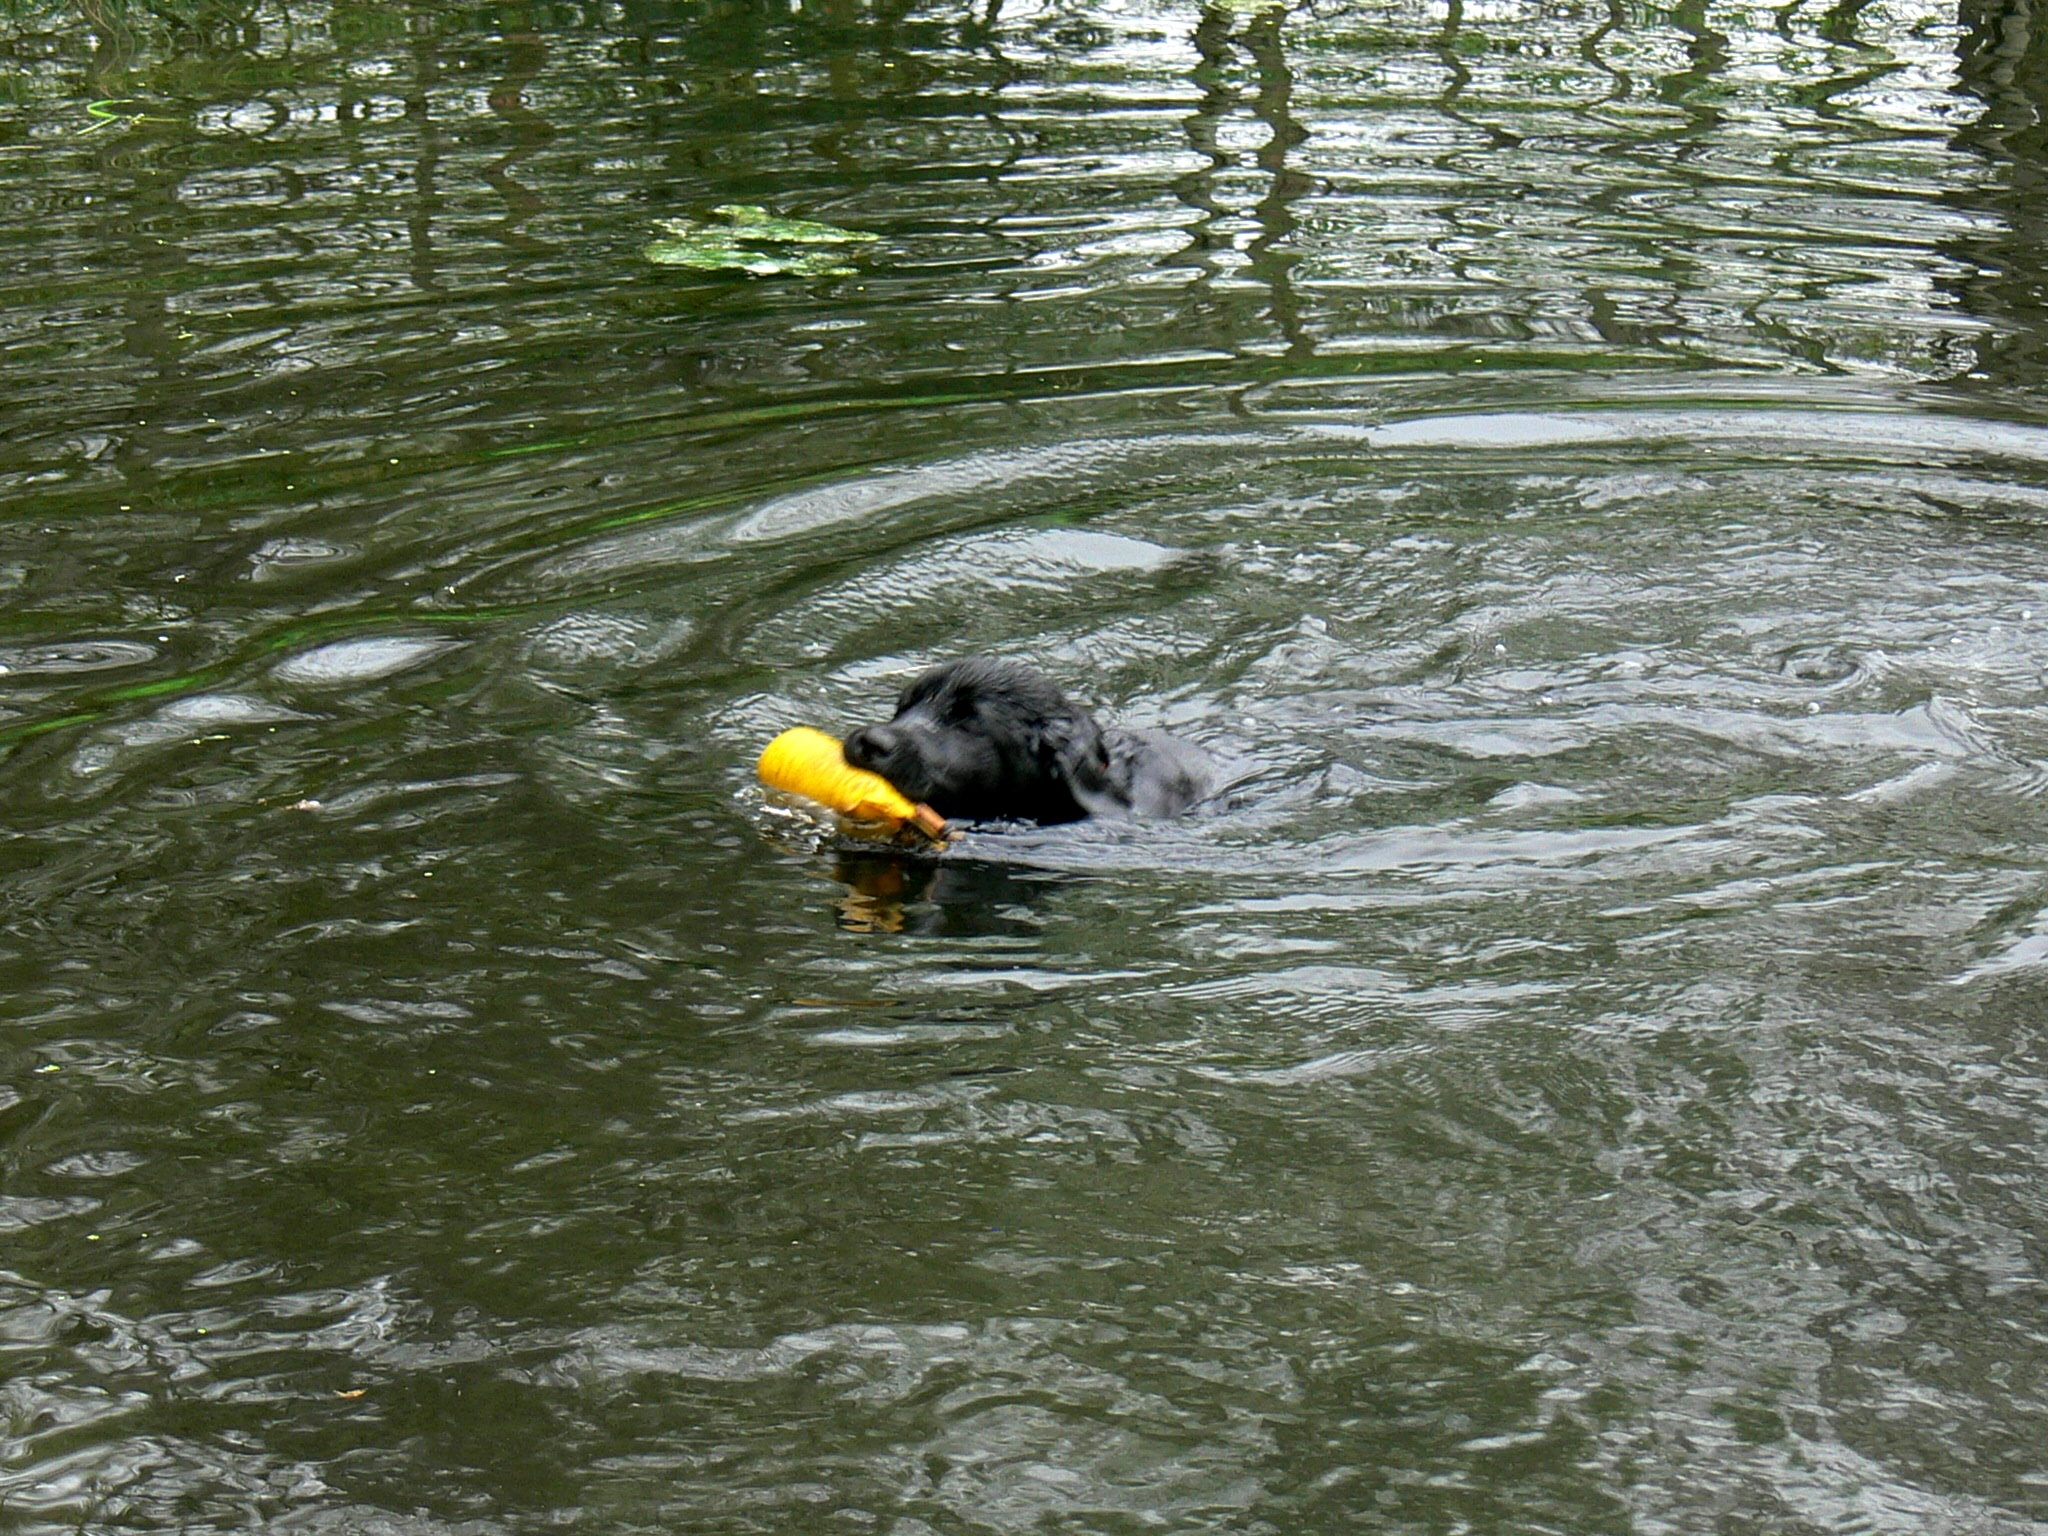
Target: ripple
point(358, 661)
point(1824, 666)
point(18, 1212)
point(186, 719)
point(871, 1038)
point(1872, 436)
point(73, 656)
point(806, 512)
point(278, 558)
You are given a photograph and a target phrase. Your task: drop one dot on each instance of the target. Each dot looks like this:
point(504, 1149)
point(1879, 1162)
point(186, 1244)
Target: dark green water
point(1586, 471)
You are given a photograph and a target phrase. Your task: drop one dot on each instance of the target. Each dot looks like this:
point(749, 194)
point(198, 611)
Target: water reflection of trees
point(1269, 259)
point(2004, 65)
point(1485, 179)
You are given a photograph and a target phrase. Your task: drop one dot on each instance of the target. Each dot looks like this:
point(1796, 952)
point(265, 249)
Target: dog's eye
point(939, 704)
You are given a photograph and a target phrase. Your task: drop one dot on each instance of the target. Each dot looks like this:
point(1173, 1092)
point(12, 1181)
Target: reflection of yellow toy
point(805, 762)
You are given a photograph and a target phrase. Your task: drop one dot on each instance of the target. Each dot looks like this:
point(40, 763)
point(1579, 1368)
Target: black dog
point(991, 740)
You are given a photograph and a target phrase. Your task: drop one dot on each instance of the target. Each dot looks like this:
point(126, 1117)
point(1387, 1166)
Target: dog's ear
point(1073, 753)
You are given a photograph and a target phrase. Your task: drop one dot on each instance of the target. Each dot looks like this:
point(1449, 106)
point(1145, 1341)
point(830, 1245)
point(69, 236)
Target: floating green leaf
point(747, 243)
point(717, 251)
point(751, 222)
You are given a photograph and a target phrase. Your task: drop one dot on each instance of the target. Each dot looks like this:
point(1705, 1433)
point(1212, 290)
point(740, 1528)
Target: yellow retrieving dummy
point(809, 763)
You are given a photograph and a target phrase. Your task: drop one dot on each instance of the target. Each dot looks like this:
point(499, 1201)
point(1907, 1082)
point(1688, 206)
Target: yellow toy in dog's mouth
point(809, 763)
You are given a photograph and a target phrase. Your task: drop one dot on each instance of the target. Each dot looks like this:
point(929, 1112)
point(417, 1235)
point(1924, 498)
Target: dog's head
point(986, 739)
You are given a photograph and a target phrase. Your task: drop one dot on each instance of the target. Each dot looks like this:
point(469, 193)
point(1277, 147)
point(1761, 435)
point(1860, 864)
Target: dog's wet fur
point(984, 739)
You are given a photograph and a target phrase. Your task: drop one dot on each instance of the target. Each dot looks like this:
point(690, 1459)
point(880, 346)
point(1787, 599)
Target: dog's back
point(1154, 774)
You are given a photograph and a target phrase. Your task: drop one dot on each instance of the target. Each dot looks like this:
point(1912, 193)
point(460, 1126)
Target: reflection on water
point(1581, 470)
point(903, 893)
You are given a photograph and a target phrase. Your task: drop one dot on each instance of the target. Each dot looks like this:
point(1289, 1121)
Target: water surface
point(1582, 470)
